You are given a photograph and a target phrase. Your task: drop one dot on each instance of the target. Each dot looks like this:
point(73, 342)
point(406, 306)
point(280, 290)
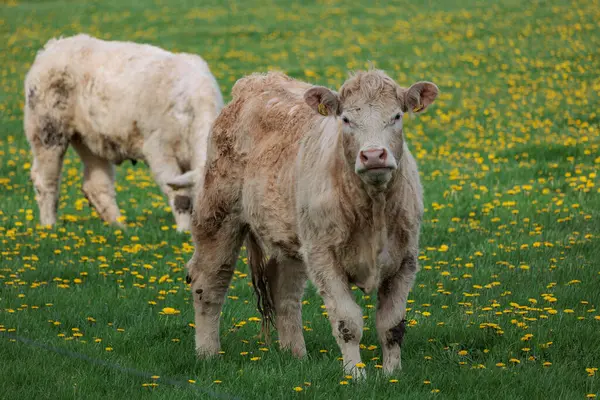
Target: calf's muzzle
point(375, 165)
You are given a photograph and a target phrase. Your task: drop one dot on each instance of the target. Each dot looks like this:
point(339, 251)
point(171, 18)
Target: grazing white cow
point(114, 101)
point(324, 184)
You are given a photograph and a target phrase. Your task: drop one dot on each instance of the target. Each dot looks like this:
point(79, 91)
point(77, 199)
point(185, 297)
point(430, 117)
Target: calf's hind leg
point(287, 279)
point(210, 271)
point(45, 172)
point(217, 232)
point(165, 168)
point(98, 184)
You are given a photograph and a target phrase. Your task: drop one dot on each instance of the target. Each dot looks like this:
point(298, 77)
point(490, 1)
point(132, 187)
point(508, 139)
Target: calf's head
point(370, 108)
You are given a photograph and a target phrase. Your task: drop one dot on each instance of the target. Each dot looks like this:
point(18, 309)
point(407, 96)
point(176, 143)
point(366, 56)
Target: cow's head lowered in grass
point(370, 107)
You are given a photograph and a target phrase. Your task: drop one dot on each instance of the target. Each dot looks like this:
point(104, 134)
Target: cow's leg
point(98, 184)
point(164, 167)
point(287, 279)
point(45, 174)
point(391, 311)
point(344, 314)
point(217, 244)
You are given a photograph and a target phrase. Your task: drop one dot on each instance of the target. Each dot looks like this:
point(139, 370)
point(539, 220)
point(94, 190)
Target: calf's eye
point(397, 117)
point(346, 120)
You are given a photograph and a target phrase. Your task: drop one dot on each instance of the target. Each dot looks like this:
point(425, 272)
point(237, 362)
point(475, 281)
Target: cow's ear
point(323, 100)
point(418, 97)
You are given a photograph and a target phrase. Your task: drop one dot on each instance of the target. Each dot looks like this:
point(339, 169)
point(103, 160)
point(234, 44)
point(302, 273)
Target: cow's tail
point(258, 268)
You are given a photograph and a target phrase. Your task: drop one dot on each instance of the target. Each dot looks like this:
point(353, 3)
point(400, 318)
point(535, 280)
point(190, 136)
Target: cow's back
point(266, 118)
point(116, 94)
point(256, 139)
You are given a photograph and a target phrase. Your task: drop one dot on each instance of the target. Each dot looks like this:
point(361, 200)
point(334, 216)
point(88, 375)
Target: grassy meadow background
point(507, 302)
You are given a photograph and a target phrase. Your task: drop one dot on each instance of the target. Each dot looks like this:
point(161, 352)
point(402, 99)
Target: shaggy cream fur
point(115, 101)
point(282, 169)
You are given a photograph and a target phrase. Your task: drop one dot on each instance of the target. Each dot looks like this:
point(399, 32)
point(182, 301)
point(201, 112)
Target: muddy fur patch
point(32, 99)
point(53, 133)
point(345, 332)
point(395, 335)
point(60, 88)
point(409, 263)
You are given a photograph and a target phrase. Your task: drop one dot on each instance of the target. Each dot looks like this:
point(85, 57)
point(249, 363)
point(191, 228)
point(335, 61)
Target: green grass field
point(505, 305)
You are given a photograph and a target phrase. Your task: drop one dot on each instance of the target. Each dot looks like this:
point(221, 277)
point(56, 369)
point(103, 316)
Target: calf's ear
point(418, 97)
point(182, 181)
point(323, 100)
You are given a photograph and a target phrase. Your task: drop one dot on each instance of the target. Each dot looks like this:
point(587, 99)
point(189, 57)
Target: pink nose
point(374, 158)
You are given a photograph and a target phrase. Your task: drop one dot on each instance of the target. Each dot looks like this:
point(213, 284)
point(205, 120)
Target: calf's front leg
point(344, 314)
point(391, 311)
